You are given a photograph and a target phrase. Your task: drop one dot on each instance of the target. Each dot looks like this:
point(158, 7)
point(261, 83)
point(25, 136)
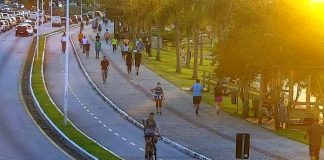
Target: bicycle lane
point(91, 114)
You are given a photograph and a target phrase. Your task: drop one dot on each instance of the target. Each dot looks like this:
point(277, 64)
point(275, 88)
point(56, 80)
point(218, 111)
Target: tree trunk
point(201, 62)
point(177, 35)
point(158, 56)
point(262, 86)
point(245, 99)
point(196, 45)
point(188, 53)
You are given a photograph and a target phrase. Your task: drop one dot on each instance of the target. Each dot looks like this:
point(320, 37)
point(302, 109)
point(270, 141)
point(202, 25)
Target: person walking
point(80, 36)
point(138, 60)
point(140, 46)
point(158, 97)
point(63, 41)
point(125, 50)
point(97, 37)
point(197, 90)
point(219, 92)
point(129, 62)
point(114, 43)
point(97, 48)
point(104, 69)
point(126, 40)
point(84, 42)
point(107, 36)
point(148, 48)
point(314, 132)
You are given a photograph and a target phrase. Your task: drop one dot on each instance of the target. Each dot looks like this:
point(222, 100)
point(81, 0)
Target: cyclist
point(159, 95)
point(151, 131)
point(104, 69)
point(63, 41)
point(107, 36)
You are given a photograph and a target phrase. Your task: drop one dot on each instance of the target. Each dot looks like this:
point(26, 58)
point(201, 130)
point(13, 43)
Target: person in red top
point(104, 69)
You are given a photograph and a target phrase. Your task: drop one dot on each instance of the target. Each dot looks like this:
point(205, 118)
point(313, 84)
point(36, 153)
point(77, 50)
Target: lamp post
point(81, 12)
point(66, 69)
point(37, 24)
point(51, 12)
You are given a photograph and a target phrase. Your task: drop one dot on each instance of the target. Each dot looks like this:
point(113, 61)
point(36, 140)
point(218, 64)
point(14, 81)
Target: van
point(56, 21)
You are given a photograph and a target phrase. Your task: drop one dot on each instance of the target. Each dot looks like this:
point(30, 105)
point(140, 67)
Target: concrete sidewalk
point(209, 134)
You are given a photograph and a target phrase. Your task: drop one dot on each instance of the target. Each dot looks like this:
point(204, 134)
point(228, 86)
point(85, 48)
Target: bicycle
point(151, 145)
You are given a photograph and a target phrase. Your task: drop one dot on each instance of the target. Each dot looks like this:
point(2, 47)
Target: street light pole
point(42, 13)
point(81, 12)
point(66, 69)
point(37, 24)
point(51, 13)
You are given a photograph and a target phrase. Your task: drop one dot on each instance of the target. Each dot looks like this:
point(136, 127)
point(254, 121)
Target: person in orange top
point(80, 36)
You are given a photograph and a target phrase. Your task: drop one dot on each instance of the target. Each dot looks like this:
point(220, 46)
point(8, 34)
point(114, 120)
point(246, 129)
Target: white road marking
point(110, 130)
point(124, 139)
point(105, 125)
point(100, 121)
point(141, 149)
point(88, 110)
point(84, 107)
point(132, 143)
point(95, 117)
point(91, 114)
point(79, 101)
point(82, 104)
point(116, 134)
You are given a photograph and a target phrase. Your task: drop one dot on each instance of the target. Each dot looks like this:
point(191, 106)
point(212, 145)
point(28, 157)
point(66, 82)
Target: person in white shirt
point(63, 41)
point(84, 42)
point(125, 50)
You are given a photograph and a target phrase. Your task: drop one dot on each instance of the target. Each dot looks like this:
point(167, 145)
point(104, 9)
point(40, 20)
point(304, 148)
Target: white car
point(2, 27)
point(31, 23)
point(5, 24)
point(24, 29)
point(56, 21)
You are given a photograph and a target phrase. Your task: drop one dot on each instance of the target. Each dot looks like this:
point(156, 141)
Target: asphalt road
point(91, 114)
point(20, 137)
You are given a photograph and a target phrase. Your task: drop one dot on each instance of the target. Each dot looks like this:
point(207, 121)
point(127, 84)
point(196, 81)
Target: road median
point(73, 136)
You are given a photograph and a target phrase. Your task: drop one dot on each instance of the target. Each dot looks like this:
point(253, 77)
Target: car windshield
point(22, 27)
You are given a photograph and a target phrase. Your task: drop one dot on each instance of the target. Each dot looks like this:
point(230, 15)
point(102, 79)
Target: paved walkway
point(209, 134)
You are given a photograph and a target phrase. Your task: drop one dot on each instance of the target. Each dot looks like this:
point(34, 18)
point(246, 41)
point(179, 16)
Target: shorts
point(196, 99)
point(137, 64)
point(218, 99)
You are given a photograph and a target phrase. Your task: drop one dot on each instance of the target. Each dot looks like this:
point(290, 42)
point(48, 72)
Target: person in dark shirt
point(219, 92)
point(104, 69)
point(148, 48)
point(97, 37)
point(129, 62)
point(138, 61)
point(315, 133)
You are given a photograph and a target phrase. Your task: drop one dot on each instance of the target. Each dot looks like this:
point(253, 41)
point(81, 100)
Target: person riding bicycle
point(151, 131)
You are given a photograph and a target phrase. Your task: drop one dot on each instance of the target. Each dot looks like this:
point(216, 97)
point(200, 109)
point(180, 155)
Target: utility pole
point(81, 12)
point(66, 69)
point(51, 12)
point(37, 24)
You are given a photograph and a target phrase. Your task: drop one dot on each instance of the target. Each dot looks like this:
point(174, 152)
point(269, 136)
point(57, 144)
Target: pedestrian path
point(209, 134)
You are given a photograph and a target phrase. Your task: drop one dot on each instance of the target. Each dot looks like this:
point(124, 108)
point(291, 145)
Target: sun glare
point(317, 1)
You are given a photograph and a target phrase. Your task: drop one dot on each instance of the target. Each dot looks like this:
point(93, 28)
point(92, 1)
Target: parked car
point(6, 25)
point(19, 19)
point(2, 26)
point(24, 29)
point(14, 21)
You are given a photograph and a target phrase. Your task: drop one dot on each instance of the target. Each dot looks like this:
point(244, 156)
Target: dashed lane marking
point(116, 134)
point(88, 110)
point(110, 130)
point(95, 117)
point(132, 143)
point(124, 139)
point(105, 126)
point(141, 149)
point(100, 121)
point(91, 114)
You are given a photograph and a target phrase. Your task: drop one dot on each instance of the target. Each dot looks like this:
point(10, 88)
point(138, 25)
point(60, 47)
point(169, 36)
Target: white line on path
point(95, 117)
point(100, 121)
point(110, 130)
point(82, 104)
point(88, 110)
point(91, 114)
point(105, 126)
point(132, 143)
point(116, 134)
point(124, 139)
point(84, 107)
point(141, 149)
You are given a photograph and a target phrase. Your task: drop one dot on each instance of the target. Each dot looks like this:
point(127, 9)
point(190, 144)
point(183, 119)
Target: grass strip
point(166, 68)
point(57, 118)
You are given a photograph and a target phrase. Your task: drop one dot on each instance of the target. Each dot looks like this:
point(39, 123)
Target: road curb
point(129, 118)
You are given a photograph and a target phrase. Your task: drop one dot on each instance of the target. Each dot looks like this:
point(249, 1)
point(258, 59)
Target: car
point(24, 29)
point(74, 19)
point(14, 21)
point(20, 19)
point(33, 23)
point(2, 26)
point(63, 21)
point(8, 22)
point(6, 25)
point(56, 21)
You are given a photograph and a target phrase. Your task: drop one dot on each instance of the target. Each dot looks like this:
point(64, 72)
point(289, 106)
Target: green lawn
point(166, 69)
point(57, 117)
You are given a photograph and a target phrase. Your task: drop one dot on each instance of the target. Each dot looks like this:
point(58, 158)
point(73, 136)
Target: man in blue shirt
point(197, 89)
